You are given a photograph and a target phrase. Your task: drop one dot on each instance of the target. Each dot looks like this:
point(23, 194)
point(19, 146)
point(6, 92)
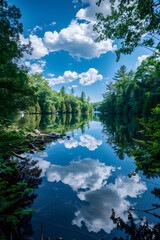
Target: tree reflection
point(18, 179)
point(135, 231)
point(60, 123)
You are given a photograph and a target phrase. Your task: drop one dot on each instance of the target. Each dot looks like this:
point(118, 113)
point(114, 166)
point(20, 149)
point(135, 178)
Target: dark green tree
point(72, 91)
point(63, 91)
point(14, 85)
point(83, 96)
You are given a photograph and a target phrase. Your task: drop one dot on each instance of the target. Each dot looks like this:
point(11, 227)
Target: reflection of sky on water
point(96, 214)
point(84, 174)
point(86, 140)
point(88, 178)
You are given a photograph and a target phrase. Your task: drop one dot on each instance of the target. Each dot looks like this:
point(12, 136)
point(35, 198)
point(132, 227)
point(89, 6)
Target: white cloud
point(39, 49)
point(35, 29)
point(85, 78)
point(67, 77)
point(88, 178)
point(84, 174)
point(42, 164)
point(52, 24)
point(89, 13)
point(89, 142)
point(36, 67)
point(78, 40)
point(96, 214)
point(85, 141)
point(72, 143)
point(90, 77)
point(140, 59)
point(51, 75)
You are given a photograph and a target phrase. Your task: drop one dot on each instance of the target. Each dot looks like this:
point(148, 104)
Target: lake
point(85, 176)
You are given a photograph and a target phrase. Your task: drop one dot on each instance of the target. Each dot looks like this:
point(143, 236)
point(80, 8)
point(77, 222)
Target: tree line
point(49, 101)
point(18, 89)
point(134, 92)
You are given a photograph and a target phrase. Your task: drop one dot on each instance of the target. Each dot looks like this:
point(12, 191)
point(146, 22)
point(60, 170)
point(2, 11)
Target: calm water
point(85, 177)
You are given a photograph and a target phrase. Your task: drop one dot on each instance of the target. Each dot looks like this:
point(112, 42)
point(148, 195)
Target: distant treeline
point(49, 101)
point(134, 92)
point(19, 90)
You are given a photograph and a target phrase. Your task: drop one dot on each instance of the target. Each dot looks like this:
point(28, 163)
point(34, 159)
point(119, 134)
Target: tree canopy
point(134, 22)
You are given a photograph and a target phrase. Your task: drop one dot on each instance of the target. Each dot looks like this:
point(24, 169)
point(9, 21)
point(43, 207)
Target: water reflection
point(88, 178)
point(83, 174)
point(96, 213)
point(61, 123)
point(86, 140)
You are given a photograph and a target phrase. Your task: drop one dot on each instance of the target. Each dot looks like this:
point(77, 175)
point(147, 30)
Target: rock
point(31, 145)
point(52, 133)
point(30, 135)
point(36, 131)
point(59, 238)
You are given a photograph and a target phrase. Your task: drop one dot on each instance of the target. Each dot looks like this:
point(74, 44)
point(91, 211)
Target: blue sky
point(64, 48)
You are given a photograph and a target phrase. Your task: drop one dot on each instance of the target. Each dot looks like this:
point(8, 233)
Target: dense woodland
point(20, 91)
point(134, 92)
point(130, 93)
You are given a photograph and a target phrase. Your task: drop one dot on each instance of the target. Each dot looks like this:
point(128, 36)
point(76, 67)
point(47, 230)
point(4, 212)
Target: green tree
point(14, 84)
point(83, 96)
point(72, 91)
point(134, 22)
point(63, 91)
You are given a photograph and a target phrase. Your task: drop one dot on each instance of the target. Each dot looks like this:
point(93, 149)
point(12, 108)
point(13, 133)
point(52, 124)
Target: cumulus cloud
point(140, 59)
point(90, 142)
point(36, 67)
point(85, 78)
point(96, 214)
point(84, 174)
point(78, 40)
point(72, 143)
point(39, 49)
point(67, 77)
point(86, 140)
point(89, 179)
point(89, 13)
point(42, 164)
point(90, 77)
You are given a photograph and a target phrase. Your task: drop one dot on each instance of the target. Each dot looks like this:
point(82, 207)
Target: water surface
point(85, 176)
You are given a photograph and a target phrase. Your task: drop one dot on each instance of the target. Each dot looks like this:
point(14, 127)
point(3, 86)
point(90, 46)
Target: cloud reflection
point(86, 140)
point(88, 177)
point(84, 174)
point(96, 214)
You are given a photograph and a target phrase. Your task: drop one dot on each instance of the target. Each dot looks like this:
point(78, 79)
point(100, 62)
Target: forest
point(134, 92)
point(128, 123)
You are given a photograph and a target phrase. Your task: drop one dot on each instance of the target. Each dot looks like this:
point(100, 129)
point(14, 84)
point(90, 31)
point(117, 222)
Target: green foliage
point(147, 155)
point(134, 22)
point(134, 92)
point(49, 101)
point(15, 91)
point(17, 181)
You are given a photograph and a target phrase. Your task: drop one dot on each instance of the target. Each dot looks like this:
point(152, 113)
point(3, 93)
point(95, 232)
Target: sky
point(64, 47)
